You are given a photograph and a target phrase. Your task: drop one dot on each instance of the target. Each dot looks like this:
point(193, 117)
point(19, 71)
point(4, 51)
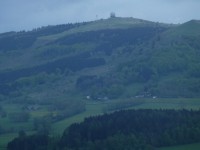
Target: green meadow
point(94, 108)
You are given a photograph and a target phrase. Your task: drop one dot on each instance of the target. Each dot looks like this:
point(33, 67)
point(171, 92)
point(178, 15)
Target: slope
point(112, 58)
point(68, 53)
point(172, 62)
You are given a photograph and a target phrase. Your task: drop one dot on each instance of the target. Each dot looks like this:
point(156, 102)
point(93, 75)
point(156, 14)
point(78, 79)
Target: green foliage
point(195, 146)
point(144, 129)
point(178, 87)
point(42, 125)
point(21, 134)
point(130, 129)
point(65, 109)
point(33, 80)
point(137, 52)
point(3, 113)
point(5, 139)
point(116, 36)
point(19, 117)
point(74, 63)
point(16, 41)
point(167, 70)
point(105, 59)
point(122, 104)
point(35, 142)
point(22, 39)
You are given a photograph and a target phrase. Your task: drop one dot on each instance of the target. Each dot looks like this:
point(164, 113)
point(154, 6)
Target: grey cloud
point(28, 14)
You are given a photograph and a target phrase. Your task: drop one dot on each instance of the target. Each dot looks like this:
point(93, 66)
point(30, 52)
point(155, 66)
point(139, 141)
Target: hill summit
point(104, 59)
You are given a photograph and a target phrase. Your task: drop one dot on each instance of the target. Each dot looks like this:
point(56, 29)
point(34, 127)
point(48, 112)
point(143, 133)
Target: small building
point(88, 97)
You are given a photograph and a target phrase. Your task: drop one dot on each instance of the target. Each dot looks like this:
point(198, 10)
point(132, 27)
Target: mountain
point(108, 58)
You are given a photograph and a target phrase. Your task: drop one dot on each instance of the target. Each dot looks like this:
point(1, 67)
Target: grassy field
point(14, 127)
point(112, 23)
point(97, 108)
point(164, 103)
point(92, 109)
point(195, 146)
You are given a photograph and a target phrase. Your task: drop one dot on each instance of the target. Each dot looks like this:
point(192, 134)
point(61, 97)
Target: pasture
point(92, 108)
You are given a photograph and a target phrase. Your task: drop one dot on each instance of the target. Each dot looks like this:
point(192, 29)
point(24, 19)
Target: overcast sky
point(18, 15)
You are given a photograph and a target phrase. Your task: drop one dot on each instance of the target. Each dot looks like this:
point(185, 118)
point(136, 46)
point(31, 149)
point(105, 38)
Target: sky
point(17, 15)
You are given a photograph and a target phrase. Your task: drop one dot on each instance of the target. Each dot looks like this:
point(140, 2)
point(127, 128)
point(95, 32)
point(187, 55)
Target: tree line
point(128, 129)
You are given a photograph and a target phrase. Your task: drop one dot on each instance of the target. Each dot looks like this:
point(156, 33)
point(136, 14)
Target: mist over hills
point(112, 58)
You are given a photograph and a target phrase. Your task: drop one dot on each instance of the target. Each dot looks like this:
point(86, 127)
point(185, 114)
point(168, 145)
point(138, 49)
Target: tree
point(21, 134)
point(42, 125)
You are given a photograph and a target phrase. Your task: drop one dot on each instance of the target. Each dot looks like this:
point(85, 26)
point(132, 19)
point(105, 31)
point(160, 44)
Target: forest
point(19, 40)
point(55, 76)
point(142, 129)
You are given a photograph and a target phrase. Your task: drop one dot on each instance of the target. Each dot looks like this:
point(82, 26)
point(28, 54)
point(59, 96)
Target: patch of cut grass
point(98, 108)
point(91, 110)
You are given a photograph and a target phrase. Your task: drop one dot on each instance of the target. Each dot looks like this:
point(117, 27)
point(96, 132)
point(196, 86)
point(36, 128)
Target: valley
point(55, 76)
point(92, 109)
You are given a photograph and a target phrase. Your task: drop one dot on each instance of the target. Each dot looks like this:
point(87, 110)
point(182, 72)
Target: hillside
point(109, 58)
point(54, 76)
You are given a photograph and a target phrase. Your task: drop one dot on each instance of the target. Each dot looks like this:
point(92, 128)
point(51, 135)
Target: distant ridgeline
point(20, 40)
point(129, 129)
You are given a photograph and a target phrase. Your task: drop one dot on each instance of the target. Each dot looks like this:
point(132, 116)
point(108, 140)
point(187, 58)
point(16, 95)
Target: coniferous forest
point(143, 129)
